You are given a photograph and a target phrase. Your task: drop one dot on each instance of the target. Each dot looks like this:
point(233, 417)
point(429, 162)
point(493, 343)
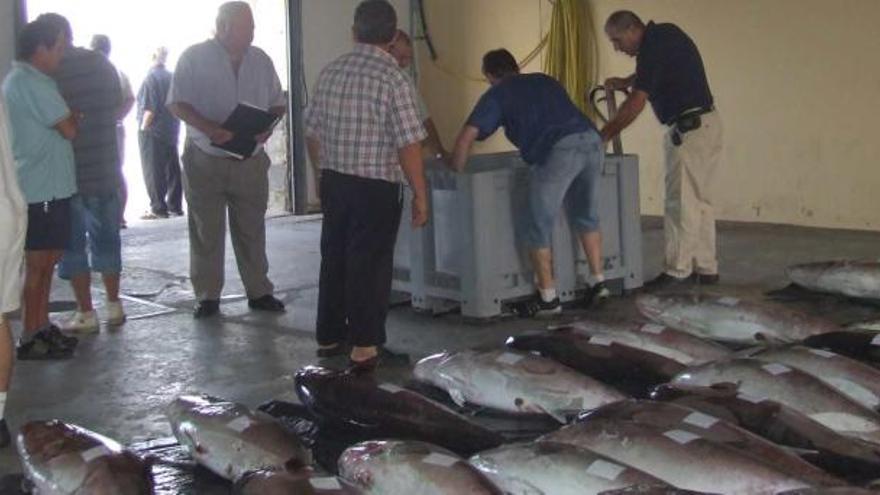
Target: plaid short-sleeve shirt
point(363, 111)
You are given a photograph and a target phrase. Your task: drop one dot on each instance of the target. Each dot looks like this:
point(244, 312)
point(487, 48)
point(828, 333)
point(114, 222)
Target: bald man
point(210, 79)
point(670, 74)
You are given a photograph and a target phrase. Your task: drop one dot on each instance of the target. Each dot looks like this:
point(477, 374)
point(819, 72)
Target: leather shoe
point(206, 308)
point(705, 279)
point(665, 281)
point(366, 366)
point(266, 303)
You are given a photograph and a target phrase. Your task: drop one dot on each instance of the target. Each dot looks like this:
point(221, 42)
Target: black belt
point(687, 121)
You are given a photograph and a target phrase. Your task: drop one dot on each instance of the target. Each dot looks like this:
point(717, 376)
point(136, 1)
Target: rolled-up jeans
point(569, 175)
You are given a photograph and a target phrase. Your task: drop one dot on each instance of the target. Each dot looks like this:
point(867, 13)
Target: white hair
point(227, 12)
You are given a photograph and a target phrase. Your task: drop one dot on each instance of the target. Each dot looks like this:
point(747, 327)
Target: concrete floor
point(120, 380)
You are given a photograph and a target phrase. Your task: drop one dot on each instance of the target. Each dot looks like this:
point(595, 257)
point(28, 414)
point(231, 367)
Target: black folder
point(246, 121)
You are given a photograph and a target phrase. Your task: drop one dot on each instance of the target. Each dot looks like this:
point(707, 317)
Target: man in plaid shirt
point(363, 135)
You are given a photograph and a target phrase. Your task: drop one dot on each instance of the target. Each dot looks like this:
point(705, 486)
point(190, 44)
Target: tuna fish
point(859, 279)
point(860, 344)
point(299, 482)
point(678, 457)
point(847, 457)
point(398, 467)
point(732, 320)
point(388, 411)
point(668, 416)
point(548, 468)
point(230, 440)
point(514, 382)
point(792, 387)
point(858, 381)
point(65, 459)
point(607, 351)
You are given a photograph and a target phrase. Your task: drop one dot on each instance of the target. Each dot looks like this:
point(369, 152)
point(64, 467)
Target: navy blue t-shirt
point(152, 96)
point(534, 110)
point(670, 70)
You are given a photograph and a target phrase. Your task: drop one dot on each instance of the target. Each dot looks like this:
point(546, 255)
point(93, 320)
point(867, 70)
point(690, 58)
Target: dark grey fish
point(846, 457)
point(678, 457)
point(731, 319)
point(667, 416)
point(388, 411)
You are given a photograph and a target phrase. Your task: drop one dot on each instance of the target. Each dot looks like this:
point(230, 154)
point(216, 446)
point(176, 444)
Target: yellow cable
point(572, 50)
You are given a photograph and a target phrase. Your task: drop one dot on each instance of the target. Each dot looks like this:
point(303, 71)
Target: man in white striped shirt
point(363, 134)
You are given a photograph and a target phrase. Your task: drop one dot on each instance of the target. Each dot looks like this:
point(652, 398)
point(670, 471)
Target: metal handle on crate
point(611, 105)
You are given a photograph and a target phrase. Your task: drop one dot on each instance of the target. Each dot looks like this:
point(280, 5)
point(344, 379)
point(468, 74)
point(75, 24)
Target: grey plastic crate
point(467, 255)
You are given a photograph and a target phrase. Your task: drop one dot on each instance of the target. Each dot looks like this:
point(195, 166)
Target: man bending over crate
point(565, 153)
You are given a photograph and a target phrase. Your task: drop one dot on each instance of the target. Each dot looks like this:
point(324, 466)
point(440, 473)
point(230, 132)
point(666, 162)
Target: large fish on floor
point(514, 382)
point(845, 456)
point(850, 377)
point(860, 344)
point(408, 467)
point(669, 416)
point(731, 319)
point(62, 459)
point(678, 457)
point(791, 387)
point(286, 482)
point(607, 351)
point(230, 440)
point(858, 279)
point(548, 468)
point(386, 410)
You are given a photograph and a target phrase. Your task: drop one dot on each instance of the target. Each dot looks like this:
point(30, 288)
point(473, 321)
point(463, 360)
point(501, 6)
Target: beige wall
point(797, 83)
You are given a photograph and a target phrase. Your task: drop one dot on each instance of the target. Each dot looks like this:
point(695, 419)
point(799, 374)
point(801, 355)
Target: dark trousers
point(361, 218)
point(161, 167)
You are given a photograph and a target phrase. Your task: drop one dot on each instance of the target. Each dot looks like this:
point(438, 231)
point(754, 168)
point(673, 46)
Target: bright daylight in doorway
point(137, 28)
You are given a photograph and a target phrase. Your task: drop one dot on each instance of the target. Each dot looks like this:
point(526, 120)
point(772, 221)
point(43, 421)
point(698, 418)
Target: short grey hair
point(623, 20)
point(228, 11)
point(375, 22)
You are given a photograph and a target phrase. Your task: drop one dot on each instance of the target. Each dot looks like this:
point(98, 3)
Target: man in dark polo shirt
point(565, 153)
point(670, 74)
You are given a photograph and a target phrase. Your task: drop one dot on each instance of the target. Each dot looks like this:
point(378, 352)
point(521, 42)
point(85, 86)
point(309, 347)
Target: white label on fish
point(776, 368)
point(325, 483)
point(601, 340)
point(509, 358)
point(680, 436)
point(95, 452)
point(442, 460)
point(821, 353)
point(754, 399)
point(876, 340)
point(391, 388)
point(606, 470)
point(854, 391)
point(239, 424)
point(728, 301)
point(653, 328)
point(700, 420)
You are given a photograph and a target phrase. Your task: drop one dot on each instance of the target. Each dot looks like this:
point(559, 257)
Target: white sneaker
point(83, 322)
point(115, 313)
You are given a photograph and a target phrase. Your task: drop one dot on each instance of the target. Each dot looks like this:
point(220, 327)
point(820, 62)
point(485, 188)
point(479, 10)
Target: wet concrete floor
point(120, 379)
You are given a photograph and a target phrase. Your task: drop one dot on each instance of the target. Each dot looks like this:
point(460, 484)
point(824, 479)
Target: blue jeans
point(95, 244)
point(570, 176)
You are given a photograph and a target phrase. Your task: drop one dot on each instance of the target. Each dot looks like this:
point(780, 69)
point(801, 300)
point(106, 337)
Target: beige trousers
point(213, 186)
point(689, 220)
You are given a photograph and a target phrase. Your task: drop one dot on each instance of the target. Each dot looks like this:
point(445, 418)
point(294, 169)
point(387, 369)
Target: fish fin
point(457, 396)
point(558, 416)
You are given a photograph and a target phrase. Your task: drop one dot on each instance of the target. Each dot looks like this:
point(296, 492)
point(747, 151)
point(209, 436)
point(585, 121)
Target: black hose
point(425, 34)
